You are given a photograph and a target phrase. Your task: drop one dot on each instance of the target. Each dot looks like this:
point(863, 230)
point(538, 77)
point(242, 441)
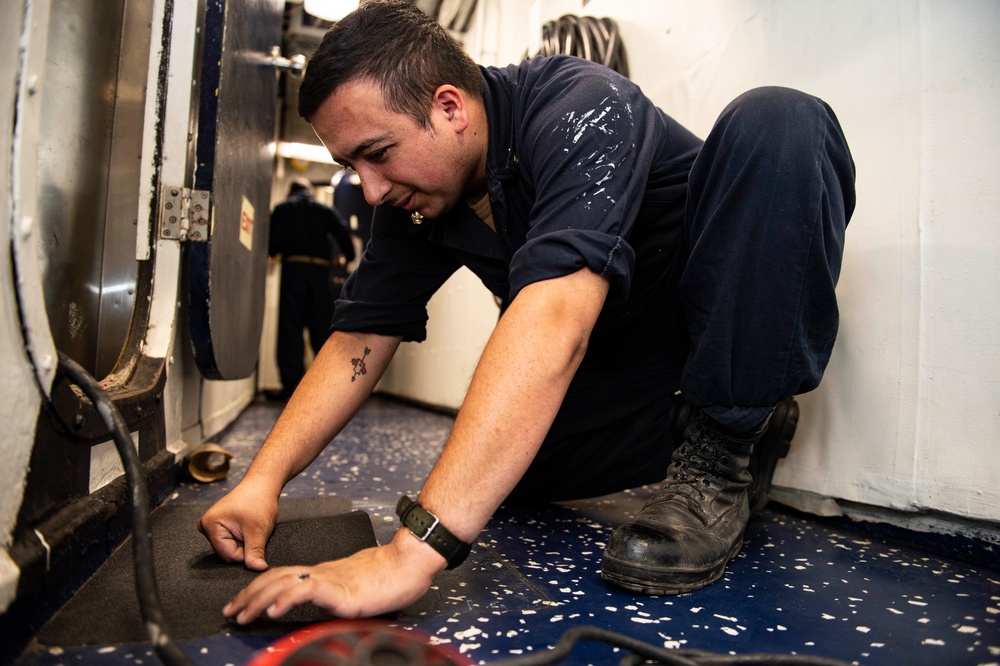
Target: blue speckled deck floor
point(799, 586)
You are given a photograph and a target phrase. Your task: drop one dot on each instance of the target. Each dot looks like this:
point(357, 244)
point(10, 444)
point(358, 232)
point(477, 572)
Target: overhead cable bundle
point(595, 39)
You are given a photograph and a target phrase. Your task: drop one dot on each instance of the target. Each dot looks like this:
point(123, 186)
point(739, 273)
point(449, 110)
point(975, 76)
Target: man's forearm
point(514, 396)
point(337, 383)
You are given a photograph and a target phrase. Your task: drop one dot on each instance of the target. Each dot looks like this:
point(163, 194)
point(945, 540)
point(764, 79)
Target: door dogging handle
point(295, 65)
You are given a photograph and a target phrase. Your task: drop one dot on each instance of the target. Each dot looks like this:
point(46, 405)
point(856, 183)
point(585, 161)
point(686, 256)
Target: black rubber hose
point(649, 653)
point(572, 636)
point(142, 535)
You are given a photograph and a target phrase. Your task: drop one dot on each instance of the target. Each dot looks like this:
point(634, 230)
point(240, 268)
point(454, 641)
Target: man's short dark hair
point(396, 46)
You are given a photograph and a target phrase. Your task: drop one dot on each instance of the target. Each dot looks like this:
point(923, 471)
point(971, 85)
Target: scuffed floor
point(800, 585)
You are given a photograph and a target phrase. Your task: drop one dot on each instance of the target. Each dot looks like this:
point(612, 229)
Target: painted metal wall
point(19, 408)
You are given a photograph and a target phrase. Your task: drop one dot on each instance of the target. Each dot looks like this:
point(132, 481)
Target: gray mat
point(195, 584)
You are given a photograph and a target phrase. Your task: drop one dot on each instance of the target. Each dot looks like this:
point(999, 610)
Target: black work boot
point(773, 446)
point(693, 525)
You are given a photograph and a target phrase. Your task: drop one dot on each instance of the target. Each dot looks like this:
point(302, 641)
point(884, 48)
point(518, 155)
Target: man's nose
point(374, 186)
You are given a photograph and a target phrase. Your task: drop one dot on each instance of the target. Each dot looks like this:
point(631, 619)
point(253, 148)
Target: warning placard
point(246, 224)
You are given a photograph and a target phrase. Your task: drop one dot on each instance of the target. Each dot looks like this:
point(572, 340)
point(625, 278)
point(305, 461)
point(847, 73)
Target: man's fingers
point(291, 594)
point(254, 559)
point(225, 545)
point(236, 543)
point(279, 590)
point(260, 594)
point(254, 541)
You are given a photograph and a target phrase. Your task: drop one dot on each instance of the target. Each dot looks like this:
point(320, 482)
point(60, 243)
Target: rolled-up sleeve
point(558, 253)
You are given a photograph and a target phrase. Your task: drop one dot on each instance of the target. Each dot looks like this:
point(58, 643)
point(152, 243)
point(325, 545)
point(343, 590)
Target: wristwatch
point(426, 527)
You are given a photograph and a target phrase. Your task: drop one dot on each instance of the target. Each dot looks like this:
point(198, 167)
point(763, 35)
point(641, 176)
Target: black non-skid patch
point(194, 583)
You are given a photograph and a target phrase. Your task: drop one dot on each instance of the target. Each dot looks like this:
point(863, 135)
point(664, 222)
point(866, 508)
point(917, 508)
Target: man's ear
point(452, 104)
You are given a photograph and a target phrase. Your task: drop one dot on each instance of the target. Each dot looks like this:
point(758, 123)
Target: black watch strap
point(426, 527)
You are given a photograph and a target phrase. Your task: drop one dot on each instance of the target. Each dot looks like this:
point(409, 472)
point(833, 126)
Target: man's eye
point(378, 155)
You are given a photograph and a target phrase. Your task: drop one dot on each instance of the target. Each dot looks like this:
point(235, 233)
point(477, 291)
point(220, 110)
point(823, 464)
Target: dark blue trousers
point(755, 314)
point(770, 195)
point(305, 303)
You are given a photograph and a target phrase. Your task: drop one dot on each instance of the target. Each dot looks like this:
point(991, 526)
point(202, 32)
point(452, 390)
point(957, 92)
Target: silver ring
point(303, 576)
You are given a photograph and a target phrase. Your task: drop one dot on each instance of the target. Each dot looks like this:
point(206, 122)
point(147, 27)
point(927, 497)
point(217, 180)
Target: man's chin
point(437, 210)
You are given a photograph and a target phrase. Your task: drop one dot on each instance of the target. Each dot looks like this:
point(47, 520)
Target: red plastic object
point(358, 643)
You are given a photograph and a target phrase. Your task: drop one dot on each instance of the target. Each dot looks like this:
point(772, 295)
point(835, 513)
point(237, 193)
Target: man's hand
point(371, 582)
point(239, 525)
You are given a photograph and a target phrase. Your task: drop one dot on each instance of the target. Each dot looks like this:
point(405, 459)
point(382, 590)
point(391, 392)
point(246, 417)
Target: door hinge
point(185, 214)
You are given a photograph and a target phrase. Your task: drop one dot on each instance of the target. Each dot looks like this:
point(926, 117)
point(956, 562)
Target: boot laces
point(693, 469)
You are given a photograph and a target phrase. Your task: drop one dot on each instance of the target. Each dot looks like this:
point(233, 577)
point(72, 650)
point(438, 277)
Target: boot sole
point(658, 582)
